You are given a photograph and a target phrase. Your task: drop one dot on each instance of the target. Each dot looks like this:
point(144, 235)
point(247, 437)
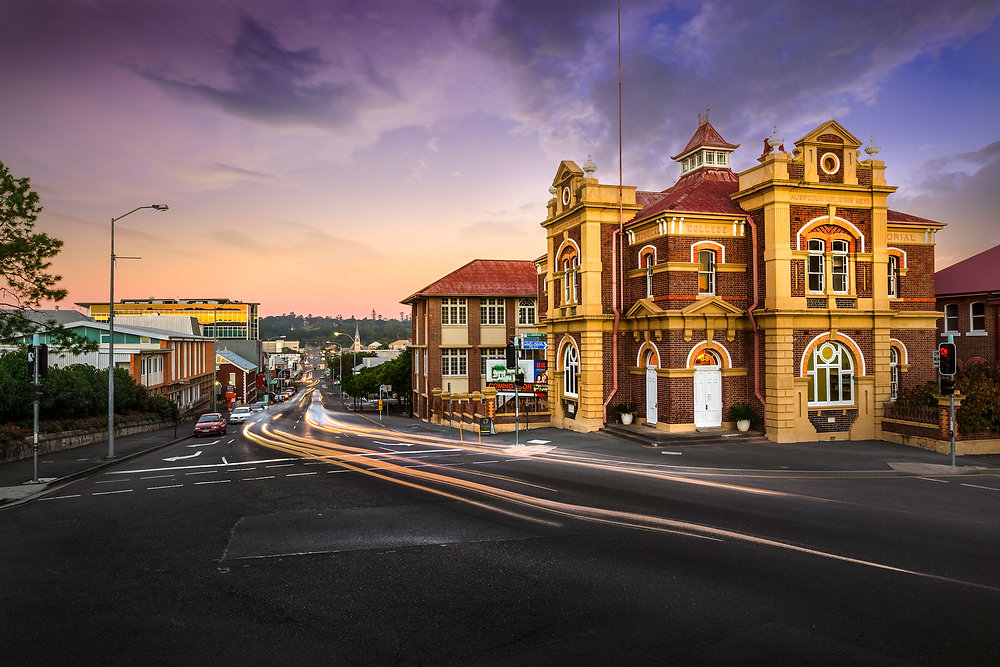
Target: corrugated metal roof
point(236, 360)
point(485, 277)
point(899, 216)
point(979, 273)
point(705, 135)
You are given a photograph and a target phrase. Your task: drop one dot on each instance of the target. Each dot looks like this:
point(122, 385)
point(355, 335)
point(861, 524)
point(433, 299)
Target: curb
point(71, 478)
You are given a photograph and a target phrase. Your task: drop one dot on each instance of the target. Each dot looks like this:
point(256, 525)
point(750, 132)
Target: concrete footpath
point(750, 459)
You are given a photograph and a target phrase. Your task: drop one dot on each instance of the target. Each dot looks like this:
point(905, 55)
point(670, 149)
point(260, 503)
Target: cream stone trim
point(837, 337)
point(647, 345)
point(828, 219)
point(727, 359)
point(697, 246)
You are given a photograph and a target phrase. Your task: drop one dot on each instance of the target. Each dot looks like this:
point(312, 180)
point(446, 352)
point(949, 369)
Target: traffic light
point(946, 356)
point(519, 378)
point(511, 356)
point(38, 354)
point(947, 385)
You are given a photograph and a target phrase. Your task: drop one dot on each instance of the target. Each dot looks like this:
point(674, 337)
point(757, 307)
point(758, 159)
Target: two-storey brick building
point(968, 293)
point(462, 323)
point(791, 286)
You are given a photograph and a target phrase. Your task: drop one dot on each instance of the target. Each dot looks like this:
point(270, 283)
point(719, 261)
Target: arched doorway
point(707, 390)
point(650, 362)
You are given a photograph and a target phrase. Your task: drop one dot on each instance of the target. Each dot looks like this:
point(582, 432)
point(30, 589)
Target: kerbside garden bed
point(17, 440)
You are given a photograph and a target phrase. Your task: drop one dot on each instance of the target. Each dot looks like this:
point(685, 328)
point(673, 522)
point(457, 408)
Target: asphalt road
point(318, 536)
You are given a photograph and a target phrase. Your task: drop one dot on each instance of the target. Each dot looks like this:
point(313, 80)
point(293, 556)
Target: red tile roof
point(705, 190)
point(899, 216)
point(705, 135)
point(979, 273)
point(485, 277)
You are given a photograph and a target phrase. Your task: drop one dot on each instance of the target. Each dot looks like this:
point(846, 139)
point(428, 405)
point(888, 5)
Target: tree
point(25, 259)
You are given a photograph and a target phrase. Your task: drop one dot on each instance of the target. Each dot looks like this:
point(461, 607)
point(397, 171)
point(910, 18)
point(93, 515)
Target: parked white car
point(240, 414)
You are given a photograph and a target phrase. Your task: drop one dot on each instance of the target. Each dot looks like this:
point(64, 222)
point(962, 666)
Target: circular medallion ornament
point(565, 196)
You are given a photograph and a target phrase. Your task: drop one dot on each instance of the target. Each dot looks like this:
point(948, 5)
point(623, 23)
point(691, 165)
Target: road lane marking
point(107, 493)
point(111, 481)
point(203, 465)
point(215, 481)
point(252, 479)
point(282, 465)
point(299, 474)
point(168, 486)
point(178, 458)
point(479, 463)
point(240, 469)
point(202, 472)
point(929, 479)
point(976, 486)
point(60, 497)
point(156, 476)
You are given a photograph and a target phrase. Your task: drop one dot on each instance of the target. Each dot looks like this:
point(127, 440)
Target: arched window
point(570, 270)
point(831, 374)
point(977, 317)
point(706, 272)
point(893, 373)
point(951, 318)
point(893, 276)
point(526, 312)
point(706, 358)
point(571, 369)
point(647, 262)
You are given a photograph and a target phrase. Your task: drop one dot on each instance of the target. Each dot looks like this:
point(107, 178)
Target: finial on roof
point(702, 119)
point(774, 140)
point(553, 190)
point(589, 167)
point(872, 148)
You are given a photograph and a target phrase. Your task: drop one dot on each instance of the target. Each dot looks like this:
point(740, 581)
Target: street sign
point(534, 344)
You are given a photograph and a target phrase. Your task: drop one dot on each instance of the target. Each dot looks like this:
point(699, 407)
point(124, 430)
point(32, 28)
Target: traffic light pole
point(34, 446)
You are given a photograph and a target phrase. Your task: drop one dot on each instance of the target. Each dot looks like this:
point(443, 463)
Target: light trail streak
point(384, 468)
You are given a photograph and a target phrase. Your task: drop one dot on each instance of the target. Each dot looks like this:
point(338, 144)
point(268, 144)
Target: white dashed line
point(251, 479)
point(299, 474)
point(111, 481)
point(240, 469)
point(479, 463)
point(976, 486)
point(169, 486)
point(283, 465)
point(156, 477)
point(202, 472)
point(106, 493)
point(333, 472)
point(929, 479)
point(60, 497)
point(216, 481)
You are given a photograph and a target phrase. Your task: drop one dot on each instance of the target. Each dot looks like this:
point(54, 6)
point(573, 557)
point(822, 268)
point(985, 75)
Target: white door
point(651, 415)
point(707, 397)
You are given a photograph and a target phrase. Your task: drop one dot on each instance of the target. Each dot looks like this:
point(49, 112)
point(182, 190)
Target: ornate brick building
point(791, 286)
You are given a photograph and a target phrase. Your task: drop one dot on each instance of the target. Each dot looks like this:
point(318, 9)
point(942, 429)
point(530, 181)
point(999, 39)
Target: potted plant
point(627, 410)
point(742, 414)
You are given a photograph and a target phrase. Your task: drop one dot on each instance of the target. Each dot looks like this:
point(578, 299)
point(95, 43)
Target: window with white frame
point(571, 369)
point(839, 266)
point(706, 272)
point(951, 318)
point(453, 311)
point(492, 312)
point(831, 373)
point(893, 276)
point(893, 373)
point(425, 363)
point(815, 267)
point(570, 271)
point(526, 312)
point(454, 361)
point(489, 356)
point(647, 262)
point(977, 316)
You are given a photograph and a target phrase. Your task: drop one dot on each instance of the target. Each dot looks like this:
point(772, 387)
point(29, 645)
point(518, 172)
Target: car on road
point(210, 423)
point(240, 415)
point(257, 407)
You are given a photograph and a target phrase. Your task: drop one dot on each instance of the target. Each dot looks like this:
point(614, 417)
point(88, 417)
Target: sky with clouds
point(333, 157)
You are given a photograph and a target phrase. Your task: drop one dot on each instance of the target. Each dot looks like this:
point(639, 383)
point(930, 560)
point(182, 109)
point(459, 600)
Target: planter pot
point(743, 425)
point(626, 418)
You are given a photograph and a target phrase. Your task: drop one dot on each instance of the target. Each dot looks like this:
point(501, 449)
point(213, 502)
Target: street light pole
point(111, 330)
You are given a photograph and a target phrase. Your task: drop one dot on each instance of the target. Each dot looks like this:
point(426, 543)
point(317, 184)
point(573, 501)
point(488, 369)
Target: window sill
point(950, 333)
point(976, 333)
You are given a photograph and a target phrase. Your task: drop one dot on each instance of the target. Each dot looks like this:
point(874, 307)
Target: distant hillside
point(317, 330)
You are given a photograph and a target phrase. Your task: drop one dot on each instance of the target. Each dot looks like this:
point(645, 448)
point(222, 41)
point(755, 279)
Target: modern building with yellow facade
point(222, 319)
point(791, 286)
